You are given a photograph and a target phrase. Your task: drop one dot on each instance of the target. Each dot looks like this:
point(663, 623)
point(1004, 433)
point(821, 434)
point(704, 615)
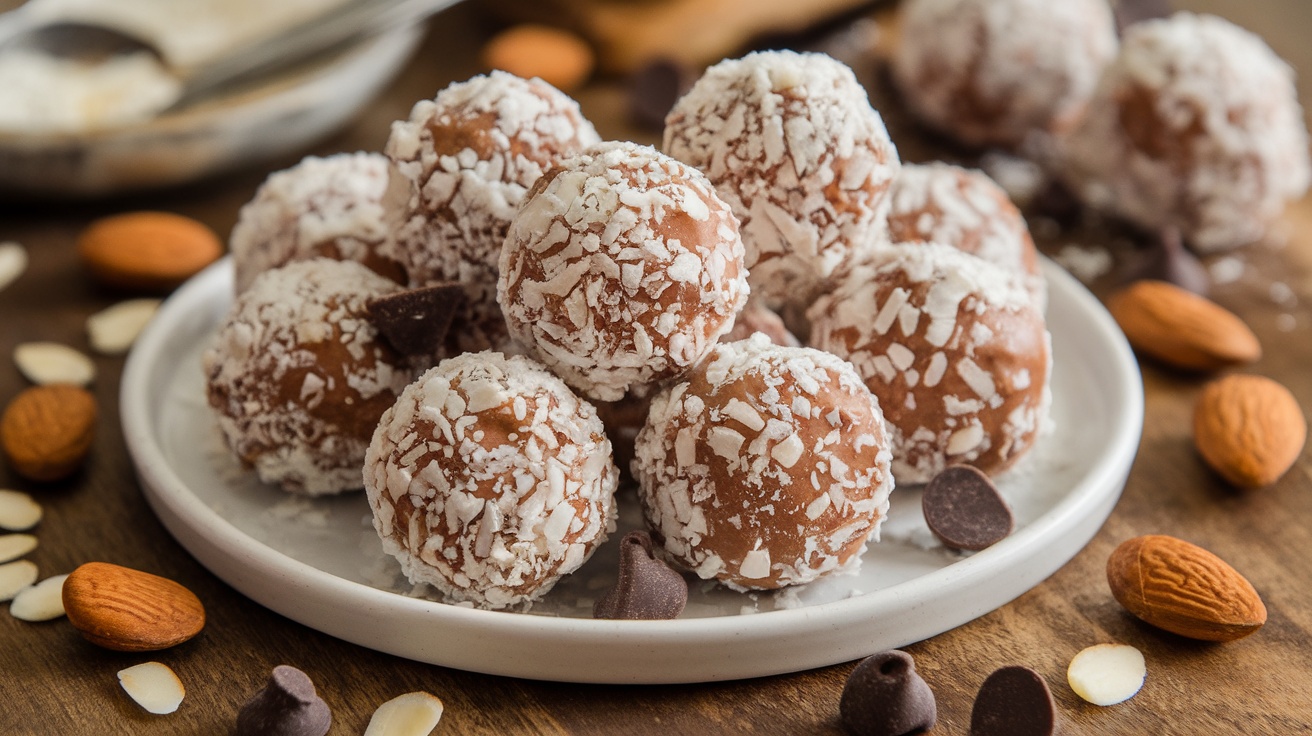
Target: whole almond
point(1184, 589)
point(128, 610)
point(46, 431)
point(151, 251)
point(557, 56)
point(1249, 429)
point(1182, 329)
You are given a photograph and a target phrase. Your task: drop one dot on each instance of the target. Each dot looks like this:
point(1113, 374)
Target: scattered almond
point(113, 329)
point(1249, 429)
point(13, 262)
point(558, 57)
point(40, 602)
point(152, 251)
point(46, 431)
point(1184, 589)
point(1182, 329)
point(1107, 674)
point(18, 512)
point(44, 363)
point(15, 577)
point(130, 611)
point(412, 714)
point(153, 686)
point(13, 546)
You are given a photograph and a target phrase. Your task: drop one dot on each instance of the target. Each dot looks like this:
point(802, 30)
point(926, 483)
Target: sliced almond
point(1107, 674)
point(18, 512)
point(44, 363)
point(153, 686)
point(412, 714)
point(113, 329)
point(15, 577)
point(41, 602)
point(13, 546)
point(13, 262)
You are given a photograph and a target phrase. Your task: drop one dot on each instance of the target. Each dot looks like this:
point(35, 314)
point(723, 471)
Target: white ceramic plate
point(320, 563)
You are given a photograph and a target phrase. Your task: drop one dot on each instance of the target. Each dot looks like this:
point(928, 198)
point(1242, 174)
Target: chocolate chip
point(287, 706)
point(416, 322)
point(964, 509)
point(885, 696)
point(653, 90)
point(647, 587)
point(1129, 12)
point(1014, 701)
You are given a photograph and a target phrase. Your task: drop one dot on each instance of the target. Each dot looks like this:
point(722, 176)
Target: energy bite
point(1195, 125)
point(489, 480)
point(335, 207)
point(792, 144)
point(471, 154)
point(299, 377)
point(954, 348)
point(767, 466)
point(990, 72)
point(622, 268)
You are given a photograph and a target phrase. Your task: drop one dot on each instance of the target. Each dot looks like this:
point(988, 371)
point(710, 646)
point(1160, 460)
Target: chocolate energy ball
point(1197, 126)
point(793, 146)
point(299, 377)
point(622, 268)
point(489, 480)
point(471, 154)
point(964, 208)
point(991, 72)
point(767, 466)
point(956, 351)
point(334, 207)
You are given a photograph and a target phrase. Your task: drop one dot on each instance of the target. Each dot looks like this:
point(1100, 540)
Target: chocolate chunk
point(964, 509)
point(416, 322)
point(653, 90)
point(1129, 12)
point(1014, 701)
point(647, 587)
point(885, 696)
point(287, 706)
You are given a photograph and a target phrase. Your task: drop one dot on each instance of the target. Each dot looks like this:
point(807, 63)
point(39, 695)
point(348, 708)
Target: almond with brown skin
point(128, 610)
point(1184, 589)
point(1249, 429)
point(46, 431)
point(149, 251)
point(1182, 329)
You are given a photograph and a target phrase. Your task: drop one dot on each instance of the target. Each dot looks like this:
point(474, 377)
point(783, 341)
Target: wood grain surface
point(53, 682)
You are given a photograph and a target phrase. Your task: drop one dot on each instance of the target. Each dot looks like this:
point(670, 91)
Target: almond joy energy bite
point(622, 268)
point(767, 466)
point(489, 480)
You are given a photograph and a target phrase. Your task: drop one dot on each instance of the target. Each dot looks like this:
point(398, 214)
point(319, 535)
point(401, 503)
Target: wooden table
point(53, 682)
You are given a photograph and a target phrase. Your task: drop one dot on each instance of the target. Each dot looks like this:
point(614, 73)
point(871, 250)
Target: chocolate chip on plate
point(885, 696)
point(964, 509)
point(287, 706)
point(1013, 701)
point(416, 322)
point(647, 587)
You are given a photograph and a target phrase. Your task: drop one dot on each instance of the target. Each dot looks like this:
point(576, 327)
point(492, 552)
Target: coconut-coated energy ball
point(964, 208)
point(767, 466)
point(955, 349)
point(991, 72)
point(298, 377)
point(490, 480)
point(1196, 126)
point(792, 144)
point(471, 154)
point(333, 207)
point(623, 268)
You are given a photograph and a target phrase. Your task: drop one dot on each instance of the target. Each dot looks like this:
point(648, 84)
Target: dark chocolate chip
point(653, 90)
point(885, 696)
point(1129, 12)
point(416, 322)
point(647, 587)
point(1014, 701)
point(287, 706)
point(964, 509)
